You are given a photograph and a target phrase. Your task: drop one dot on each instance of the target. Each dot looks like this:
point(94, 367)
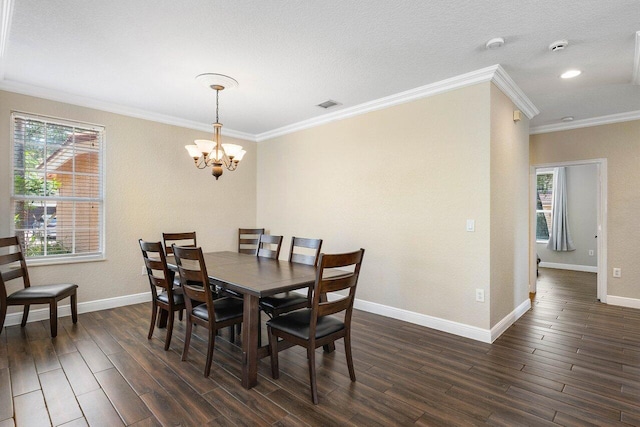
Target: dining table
point(253, 277)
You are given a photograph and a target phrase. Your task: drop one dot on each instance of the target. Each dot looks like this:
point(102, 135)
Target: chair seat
point(296, 323)
point(178, 299)
point(225, 309)
point(43, 292)
point(282, 301)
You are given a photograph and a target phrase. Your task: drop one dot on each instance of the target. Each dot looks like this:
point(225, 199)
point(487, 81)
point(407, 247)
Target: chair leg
point(167, 339)
point(3, 314)
point(74, 307)
point(53, 317)
point(212, 345)
point(232, 334)
point(273, 347)
point(347, 350)
point(25, 315)
point(187, 339)
point(311, 357)
point(180, 315)
point(154, 314)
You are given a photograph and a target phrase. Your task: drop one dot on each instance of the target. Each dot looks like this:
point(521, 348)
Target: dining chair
point(317, 326)
point(11, 253)
point(186, 239)
point(265, 246)
point(248, 240)
point(202, 309)
point(302, 251)
point(168, 300)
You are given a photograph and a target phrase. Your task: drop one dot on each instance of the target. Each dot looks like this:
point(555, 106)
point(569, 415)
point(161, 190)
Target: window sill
point(37, 262)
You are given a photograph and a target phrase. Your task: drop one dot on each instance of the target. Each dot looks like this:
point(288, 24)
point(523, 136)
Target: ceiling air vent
point(328, 104)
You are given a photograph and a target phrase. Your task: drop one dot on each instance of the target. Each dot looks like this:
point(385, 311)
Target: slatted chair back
point(193, 276)
point(156, 264)
point(266, 246)
point(248, 240)
point(10, 254)
point(311, 246)
point(325, 285)
point(187, 239)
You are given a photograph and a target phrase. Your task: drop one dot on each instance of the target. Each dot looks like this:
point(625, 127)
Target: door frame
point(601, 208)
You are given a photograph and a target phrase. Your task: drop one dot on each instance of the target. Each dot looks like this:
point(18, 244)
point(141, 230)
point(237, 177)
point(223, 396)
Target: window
point(57, 192)
point(544, 204)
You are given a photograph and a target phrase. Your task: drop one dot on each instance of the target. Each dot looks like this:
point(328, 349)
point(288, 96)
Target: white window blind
point(57, 194)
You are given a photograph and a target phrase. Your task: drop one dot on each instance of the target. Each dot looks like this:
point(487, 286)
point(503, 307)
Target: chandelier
point(206, 153)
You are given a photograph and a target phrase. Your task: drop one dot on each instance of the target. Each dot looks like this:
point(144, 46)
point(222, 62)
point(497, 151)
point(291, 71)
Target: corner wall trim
point(572, 267)
point(83, 307)
point(510, 319)
point(594, 121)
point(623, 301)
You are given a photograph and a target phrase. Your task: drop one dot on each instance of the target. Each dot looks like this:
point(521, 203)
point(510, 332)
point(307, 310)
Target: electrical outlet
point(471, 225)
point(480, 295)
point(591, 253)
point(617, 272)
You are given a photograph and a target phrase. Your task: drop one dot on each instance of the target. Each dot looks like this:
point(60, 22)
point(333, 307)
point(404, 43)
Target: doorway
point(601, 221)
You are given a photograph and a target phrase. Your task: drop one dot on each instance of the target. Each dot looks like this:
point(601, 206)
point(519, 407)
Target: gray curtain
point(560, 238)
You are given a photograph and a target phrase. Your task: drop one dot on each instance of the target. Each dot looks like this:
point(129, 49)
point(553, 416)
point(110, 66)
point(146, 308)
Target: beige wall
point(401, 183)
point(620, 144)
point(151, 187)
point(509, 208)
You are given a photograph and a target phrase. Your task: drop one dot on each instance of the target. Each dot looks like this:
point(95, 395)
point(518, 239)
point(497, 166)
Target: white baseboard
point(449, 326)
point(623, 301)
point(83, 307)
point(510, 319)
point(572, 267)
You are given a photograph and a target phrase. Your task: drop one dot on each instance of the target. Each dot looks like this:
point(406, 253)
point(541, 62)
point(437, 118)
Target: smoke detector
point(495, 43)
point(558, 45)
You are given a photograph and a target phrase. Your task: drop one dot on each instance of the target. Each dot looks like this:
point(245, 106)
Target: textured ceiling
point(290, 55)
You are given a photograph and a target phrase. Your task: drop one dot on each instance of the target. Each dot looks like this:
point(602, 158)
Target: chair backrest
point(193, 276)
point(324, 285)
point(265, 246)
point(157, 270)
point(180, 239)
point(11, 253)
point(248, 240)
point(311, 245)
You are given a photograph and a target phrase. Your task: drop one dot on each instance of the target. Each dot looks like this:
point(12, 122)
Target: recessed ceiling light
point(570, 74)
point(567, 119)
point(495, 43)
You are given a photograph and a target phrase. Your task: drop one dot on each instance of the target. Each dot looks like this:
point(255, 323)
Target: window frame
point(544, 211)
point(100, 254)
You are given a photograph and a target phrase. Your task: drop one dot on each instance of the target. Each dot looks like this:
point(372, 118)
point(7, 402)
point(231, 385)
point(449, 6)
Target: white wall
point(582, 181)
point(151, 187)
point(401, 183)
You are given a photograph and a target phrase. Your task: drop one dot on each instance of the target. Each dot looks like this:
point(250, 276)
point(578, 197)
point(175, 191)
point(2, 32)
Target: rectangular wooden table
point(254, 277)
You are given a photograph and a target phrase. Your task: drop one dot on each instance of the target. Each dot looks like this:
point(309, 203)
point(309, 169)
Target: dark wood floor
point(568, 361)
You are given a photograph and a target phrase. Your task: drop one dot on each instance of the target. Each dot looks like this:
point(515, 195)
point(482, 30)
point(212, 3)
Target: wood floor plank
point(98, 410)
point(126, 402)
point(59, 397)
point(44, 355)
point(78, 373)
point(6, 402)
point(93, 356)
point(31, 410)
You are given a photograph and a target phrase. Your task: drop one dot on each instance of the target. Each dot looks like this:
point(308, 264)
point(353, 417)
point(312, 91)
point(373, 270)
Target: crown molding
point(594, 121)
point(636, 62)
point(494, 73)
point(6, 13)
point(82, 101)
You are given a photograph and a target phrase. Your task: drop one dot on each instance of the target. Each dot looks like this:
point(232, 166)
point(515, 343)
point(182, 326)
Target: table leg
point(250, 322)
point(162, 319)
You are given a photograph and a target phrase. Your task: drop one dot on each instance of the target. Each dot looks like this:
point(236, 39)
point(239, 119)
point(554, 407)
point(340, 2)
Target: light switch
point(471, 225)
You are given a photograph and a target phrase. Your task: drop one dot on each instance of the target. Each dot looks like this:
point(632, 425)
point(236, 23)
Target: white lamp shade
point(240, 155)
point(205, 146)
point(232, 150)
point(193, 150)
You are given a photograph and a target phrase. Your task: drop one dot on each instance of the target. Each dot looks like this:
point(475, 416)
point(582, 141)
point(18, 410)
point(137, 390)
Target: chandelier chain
point(217, 96)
